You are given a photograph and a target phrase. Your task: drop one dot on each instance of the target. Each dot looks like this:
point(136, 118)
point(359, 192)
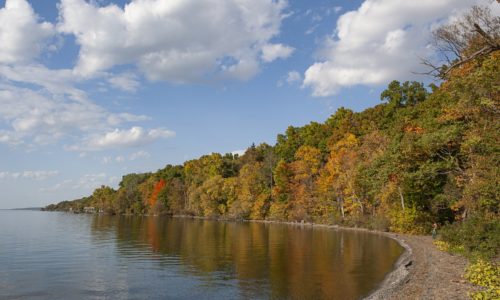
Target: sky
point(93, 90)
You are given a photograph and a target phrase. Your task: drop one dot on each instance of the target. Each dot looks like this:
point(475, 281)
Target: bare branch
point(474, 35)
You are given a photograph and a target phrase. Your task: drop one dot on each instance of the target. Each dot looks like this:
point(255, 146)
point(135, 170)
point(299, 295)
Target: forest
point(424, 155)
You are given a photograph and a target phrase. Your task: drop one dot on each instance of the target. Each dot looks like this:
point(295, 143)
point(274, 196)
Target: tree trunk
point(465, 214)
point(402, 199)
point(361, 208)
point(341, 203)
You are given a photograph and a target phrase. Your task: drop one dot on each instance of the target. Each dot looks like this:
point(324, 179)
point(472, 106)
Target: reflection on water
point(57, 255)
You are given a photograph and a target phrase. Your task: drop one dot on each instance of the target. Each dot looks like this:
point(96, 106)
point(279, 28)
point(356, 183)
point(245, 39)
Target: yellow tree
point(305, 169)
point(196, 172)
point(212, 200)
point(281, 192)
point(104, 198)
point(252, 198)
point(337, 179)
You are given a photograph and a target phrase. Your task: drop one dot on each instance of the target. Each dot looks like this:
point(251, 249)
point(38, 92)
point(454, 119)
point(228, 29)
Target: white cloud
point(135, 136)
point(54, 81)
point(121, 158)
point(22, 36)
point(87, 182)
point(177, 41)
point(9, 138)
point(139, 154)
point(36, 175)
point(41, 117)
point(293, 77)
point(271, 52)
point(311, 29)
point(127, 82)
point(90, 181)
point(290, 78)
point(378, 42)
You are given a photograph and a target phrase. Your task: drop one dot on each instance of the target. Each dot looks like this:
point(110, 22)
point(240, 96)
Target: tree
point(159, 186)
point(252, 196)
point(212, 200)
point(281, 192)
point(104, 198)
point(476, 34)
point(338, 176)
point(410, 93)
point(305, 169)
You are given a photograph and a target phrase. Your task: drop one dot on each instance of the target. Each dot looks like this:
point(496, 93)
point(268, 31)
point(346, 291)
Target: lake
point(53, 255)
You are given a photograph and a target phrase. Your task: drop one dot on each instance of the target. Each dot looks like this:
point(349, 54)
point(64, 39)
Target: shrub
point(442, 246)
point(409, 221)
point(479, 236)
point(379, 223)
point(486, 275)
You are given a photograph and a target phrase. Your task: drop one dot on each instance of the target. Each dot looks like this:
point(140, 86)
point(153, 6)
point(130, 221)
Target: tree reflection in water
point(265, 260)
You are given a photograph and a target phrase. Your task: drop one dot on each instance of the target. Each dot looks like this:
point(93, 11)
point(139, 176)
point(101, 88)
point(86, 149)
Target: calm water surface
point(48, 255)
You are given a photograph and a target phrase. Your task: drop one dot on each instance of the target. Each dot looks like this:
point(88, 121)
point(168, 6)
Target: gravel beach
point(424, 272)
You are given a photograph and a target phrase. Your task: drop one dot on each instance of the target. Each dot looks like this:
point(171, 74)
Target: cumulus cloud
point(39, 104)
point(135, 136)
point(22, 35)
point(378, 42)
point(41, 117)
point(36, 175)
point(271, 52)
point(177, 41)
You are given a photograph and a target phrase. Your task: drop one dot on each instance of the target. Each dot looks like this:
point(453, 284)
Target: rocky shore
point(424, 272)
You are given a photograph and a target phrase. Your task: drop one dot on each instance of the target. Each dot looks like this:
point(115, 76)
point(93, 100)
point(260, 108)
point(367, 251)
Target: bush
point(380, 223)
point(486, 275)
point(479, 236)
point(446, 247)
point(410, 221)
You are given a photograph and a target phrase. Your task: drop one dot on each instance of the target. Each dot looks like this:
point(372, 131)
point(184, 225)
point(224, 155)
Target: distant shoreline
point(23, 208)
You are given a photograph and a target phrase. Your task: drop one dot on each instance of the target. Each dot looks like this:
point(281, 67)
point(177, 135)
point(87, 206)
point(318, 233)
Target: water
point(51, 255)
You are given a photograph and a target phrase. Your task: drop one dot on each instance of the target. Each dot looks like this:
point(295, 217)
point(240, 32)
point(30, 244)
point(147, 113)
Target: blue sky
point(92, 90)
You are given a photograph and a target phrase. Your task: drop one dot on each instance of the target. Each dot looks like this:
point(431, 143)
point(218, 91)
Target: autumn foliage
point(156, 190)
